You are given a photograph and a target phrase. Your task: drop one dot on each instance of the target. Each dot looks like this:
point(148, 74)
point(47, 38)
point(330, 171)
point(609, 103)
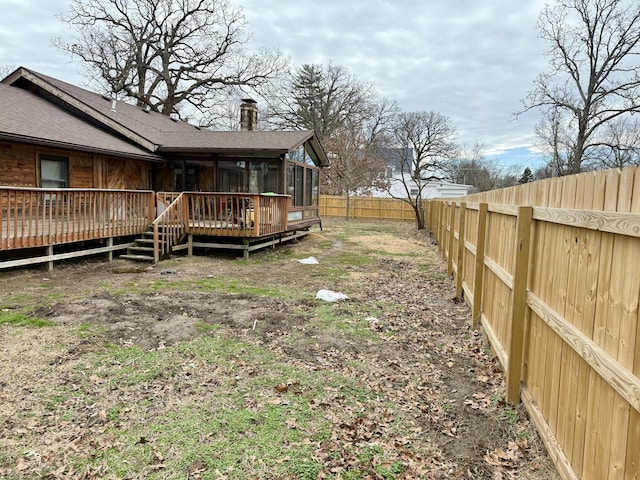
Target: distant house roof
point(152, 132)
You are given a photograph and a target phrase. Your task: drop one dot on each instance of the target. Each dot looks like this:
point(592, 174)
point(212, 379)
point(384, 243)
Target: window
point(291, 182)
point(188, 183)
point(308, 193)
point(54, 171)
point(299, 200)
point(231, 176)
point(301, 155)
point(316, 188)
point(302, 178)
point(263, 177)
point(247, 176)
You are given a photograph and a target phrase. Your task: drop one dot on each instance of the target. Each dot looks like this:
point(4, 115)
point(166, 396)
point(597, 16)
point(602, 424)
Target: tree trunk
point(348, 205)
point(419, 211)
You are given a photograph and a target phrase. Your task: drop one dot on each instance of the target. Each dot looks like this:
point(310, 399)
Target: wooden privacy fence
point(366, 208)
point(551, 270)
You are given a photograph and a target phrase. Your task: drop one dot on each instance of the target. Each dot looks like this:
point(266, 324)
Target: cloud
point(472, 61)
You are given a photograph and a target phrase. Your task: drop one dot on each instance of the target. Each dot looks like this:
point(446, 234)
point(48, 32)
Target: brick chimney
point(248, 115)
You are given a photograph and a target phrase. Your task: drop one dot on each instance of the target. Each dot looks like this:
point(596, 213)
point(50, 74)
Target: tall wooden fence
point(371, 208)
point(551, 270)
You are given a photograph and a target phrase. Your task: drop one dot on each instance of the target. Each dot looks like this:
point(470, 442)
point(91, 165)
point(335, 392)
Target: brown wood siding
point(163, 179)
point(116, 177)
point(81, 171)
point(100, 171)
point(18, 165)
point(133, 175)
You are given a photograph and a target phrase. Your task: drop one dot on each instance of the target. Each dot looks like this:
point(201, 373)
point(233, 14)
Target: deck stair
point(142, 251)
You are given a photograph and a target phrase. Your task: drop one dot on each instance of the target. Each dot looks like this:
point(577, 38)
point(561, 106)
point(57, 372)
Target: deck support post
point(110, 252)
point(246, 242)
point(190, 245)
point(49, 254)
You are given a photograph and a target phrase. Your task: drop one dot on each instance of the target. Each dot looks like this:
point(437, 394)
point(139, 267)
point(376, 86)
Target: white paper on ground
point(331, 296)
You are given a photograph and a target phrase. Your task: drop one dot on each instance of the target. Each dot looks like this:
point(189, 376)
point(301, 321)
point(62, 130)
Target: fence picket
point(460, 253)
point(479, 264)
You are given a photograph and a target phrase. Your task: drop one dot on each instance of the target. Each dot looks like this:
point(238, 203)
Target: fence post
point(443, 229)
point(440, 227)
point(452, 219)
point(479, 267)
point(460, 259)
point(519, 302)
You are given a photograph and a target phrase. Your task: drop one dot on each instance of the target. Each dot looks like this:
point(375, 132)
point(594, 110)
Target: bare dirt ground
point(437, 370)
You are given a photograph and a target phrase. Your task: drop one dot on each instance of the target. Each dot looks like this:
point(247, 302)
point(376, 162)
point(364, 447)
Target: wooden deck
point(31, 218)
point(243, 216)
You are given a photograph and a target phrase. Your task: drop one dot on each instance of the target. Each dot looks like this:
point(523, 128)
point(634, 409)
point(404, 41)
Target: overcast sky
point(471, 61)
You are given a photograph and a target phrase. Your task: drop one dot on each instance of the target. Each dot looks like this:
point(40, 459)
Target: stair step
point(138, 248)
point(144, 240)
point(139, 258)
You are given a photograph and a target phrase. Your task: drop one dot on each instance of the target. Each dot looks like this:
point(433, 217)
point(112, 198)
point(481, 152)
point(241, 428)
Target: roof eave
point(318, 150)
point(75, 147)
point(224, 151)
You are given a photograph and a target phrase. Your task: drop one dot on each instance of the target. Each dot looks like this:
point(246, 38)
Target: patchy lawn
point(212, 367)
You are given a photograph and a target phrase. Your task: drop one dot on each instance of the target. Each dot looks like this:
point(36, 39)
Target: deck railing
point(217, 214)
point(169, 226)
point(235, 214)
point(32, 217)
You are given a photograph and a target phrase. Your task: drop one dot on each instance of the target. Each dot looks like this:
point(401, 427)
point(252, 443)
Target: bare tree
point(355, 152)
point(557, 141)
point(6, 70)
point(619, 145)
point(593, 75)
point(470, 167)
point(430, 136)
point(171, 56)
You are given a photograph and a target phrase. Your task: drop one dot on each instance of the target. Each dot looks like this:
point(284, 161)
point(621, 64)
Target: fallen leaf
point(21, 465)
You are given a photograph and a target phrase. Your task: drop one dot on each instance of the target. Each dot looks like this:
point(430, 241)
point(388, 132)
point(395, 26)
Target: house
point(80, 167)
point(400, 185)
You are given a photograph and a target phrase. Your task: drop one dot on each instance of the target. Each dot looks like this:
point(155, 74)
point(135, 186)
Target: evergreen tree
point(526, 177)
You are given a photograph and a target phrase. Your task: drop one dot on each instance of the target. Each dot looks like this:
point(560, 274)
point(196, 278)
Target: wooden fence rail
point(551, 271)
point(366, 208)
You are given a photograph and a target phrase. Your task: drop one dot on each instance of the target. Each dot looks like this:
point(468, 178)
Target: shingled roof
point(155, 132)
point(29, 118)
